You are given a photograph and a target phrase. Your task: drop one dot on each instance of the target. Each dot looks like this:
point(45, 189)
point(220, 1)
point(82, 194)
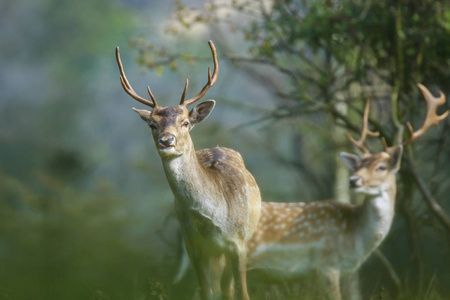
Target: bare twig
point(294, 74)
point(433, 205)
point(390, 269)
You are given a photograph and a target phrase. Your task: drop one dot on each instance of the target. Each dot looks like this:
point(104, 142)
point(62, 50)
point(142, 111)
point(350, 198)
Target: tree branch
point(390, 269)
point(433, 205)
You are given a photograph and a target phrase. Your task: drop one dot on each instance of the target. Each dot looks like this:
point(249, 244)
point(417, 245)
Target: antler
point(432, 117)
point(127, 87)
point(211, 80)
point(365, 131)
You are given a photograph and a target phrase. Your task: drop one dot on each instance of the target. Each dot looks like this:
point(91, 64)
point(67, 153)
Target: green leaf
point(159, 70)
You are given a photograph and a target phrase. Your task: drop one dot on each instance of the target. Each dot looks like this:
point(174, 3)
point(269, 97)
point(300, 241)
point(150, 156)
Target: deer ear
point(201, 111)
point(396, 158)
point(144, 114)
point(351, 160)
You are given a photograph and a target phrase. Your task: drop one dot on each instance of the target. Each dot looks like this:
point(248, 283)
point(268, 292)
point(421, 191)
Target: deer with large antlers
point(330, 237)
point(217, 200)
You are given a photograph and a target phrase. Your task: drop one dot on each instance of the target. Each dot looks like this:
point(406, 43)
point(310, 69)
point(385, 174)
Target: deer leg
point(201, 269)
point(237, 258)
point(350, 286)
point(330, 281)
point(216, 269)
point(200, 261)
point(226, 283)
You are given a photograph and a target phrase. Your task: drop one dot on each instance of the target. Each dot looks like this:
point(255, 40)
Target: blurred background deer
point(330, 237)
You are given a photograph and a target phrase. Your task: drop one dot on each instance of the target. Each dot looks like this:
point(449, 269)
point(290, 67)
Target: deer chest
point(200, 226)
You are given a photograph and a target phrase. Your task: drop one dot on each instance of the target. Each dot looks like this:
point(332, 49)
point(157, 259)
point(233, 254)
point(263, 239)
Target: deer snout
point(166, 140)
point(355, 181)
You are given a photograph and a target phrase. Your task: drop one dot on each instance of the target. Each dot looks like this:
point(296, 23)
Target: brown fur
point(217, 200)
point(284, 223)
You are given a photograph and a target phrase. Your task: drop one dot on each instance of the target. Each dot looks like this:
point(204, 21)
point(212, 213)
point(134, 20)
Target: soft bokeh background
point(84, 202)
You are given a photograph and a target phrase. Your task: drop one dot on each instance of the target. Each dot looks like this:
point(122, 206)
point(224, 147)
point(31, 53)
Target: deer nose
point(355, 181)
point(166, 140)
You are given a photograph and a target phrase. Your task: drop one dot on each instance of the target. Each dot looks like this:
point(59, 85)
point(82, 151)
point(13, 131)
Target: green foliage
point(384, 40)
point(65, 232)
point(62, 243)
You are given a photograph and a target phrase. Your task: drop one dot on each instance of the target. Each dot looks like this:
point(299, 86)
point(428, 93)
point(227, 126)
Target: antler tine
point(365, 131)
point(184, 91)
point(151, 96)
point(432, 118)
point(398, 139)
point(127, 86)
point(385, 144)
point(211, 79)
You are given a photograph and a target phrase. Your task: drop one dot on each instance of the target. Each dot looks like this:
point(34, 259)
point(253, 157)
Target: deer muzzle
point(166, 140)
point(355, 181)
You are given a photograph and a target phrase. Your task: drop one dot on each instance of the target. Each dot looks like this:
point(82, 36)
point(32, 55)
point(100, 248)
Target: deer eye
point(185, 124)
point(381, 168)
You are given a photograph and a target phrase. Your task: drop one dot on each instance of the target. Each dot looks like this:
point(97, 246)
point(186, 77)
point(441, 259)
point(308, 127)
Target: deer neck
point(376, 215)
point(198, 201)
point(185, 174)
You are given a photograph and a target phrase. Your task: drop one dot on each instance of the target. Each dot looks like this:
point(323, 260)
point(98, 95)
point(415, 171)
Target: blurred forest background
point(83, 198)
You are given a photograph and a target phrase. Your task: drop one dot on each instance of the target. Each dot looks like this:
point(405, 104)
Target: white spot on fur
point(299, 219)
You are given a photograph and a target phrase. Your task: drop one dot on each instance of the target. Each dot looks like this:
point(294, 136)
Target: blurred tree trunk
point(341, 188)
point(417, 267)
